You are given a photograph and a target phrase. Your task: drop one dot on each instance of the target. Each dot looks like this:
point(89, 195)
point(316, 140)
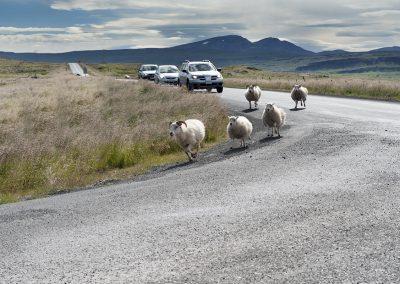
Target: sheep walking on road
point(253, 94)
point(188, 134)
point(274, 118)
point(239, 127)
point(299, 94)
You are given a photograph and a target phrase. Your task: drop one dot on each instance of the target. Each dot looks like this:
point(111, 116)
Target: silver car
point(167, 74)
point(201, 75)
point(147, 71)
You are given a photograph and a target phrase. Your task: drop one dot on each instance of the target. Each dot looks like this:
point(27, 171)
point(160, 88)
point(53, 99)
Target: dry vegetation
point(61, 132)
point(321, 84)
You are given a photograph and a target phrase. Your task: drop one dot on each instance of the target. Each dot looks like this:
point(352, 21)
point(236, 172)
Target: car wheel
point(220, 89)
point(189, 86)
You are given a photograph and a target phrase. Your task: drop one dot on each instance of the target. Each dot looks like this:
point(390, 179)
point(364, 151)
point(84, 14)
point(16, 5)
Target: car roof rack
point(186, 60)
point(205, 60)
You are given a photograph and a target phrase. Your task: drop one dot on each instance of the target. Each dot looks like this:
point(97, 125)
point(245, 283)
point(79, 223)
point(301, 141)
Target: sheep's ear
point(170, 123)
point(247, 86)
point(180, 122)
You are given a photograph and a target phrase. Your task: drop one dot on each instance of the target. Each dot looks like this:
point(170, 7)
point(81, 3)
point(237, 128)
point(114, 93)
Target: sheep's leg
point(278, 132)
point(304, 103)
point(189, 156)
point(296, 104)
point(249, 104)
point(256, 104)
point(301, 103)
point(243, 143)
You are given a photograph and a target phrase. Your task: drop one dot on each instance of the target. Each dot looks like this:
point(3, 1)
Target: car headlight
point(194, 77)
point(162, 76)
point(219, 76)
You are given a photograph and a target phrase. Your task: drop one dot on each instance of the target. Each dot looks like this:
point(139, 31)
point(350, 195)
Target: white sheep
point(239, 127)
point(273, 117)
point(253, 94)
point(188, 134)
point(299, 94)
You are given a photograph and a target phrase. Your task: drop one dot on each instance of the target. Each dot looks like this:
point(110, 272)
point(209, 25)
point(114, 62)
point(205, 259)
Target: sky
point(66, 25)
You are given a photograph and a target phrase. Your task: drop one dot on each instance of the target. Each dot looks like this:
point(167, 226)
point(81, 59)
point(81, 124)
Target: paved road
point(76, 69)
point(322, 204)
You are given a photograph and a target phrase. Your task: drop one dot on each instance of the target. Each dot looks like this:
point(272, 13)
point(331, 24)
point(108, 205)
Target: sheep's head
point(269, 107)
point(176, 127)
point(297, 87)
point(232, 120)
point(250, 88)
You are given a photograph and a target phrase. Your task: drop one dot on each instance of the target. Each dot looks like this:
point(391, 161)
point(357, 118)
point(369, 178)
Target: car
point(201, 75)
point(167, 74)
point(147, 71)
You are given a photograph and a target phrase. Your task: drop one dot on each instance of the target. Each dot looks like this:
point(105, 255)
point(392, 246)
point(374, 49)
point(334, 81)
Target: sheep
point(188, 134)
point(299, 93)
point(253, 94)
point(273, 117)
point(239, 127)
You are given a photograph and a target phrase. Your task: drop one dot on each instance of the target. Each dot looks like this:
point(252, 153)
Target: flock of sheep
point(190, 133)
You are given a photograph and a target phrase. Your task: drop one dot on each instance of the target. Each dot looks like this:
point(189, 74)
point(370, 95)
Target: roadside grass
point(63, 132)
point(118, 70)
point(368, 86)
point(14, 68)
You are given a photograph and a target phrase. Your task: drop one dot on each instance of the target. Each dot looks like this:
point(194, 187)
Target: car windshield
point(201, 67)
point(168, 69)
point(149, 68)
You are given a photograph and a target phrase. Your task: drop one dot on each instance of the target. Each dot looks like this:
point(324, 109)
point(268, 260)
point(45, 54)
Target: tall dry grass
point(63, 132)
point(331, 85)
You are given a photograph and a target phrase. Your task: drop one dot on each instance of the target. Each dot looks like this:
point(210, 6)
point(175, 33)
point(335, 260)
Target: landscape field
point(382, 86)
point(59, 132)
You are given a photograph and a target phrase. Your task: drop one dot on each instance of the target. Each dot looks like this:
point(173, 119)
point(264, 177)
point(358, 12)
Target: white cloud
point(319, 25)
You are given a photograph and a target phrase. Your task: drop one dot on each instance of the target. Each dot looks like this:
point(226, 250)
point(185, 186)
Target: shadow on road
point(269, 139)
point(177, 166)
point(297, 109)
point(249, 110)
point(235, 150)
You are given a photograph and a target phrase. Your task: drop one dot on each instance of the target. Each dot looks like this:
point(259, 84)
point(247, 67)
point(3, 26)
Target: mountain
point(387, 49)
point(230, 42)
point(224, 50)
point(277, 46)
point(269, 53)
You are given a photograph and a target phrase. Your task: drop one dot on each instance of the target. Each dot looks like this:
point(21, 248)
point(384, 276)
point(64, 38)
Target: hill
point(269, 53)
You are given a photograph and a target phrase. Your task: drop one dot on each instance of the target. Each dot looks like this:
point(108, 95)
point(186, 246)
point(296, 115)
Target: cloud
point(317, 25)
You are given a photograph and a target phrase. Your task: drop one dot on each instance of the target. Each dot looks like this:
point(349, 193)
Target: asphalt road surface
point(321, 204)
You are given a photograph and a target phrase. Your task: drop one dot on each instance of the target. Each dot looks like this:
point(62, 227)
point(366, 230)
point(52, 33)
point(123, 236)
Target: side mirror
point(219, 69)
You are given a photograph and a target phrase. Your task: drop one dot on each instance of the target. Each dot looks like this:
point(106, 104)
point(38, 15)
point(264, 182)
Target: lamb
point(188, 134)
point(299, 94)
point(239, 127)
point(273, 117)
point(253, 94)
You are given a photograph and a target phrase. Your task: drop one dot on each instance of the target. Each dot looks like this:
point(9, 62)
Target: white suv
point(201, 75)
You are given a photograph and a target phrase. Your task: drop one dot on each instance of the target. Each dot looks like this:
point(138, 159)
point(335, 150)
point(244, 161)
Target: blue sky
point(65, 25)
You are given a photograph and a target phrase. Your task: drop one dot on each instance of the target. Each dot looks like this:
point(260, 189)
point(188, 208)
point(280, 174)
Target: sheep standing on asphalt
point(299, 94)
point(239, 127)
point(188, 134)
point(274, 118)
point(253, 94)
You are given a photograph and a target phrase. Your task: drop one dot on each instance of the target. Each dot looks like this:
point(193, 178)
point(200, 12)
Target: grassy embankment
point(60, 132)
point(362, 86)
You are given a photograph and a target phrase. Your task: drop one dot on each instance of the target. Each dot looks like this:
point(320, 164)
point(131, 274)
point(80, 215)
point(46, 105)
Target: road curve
point(320, 204)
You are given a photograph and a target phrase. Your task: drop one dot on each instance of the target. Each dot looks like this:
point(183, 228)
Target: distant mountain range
point(270, 53)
